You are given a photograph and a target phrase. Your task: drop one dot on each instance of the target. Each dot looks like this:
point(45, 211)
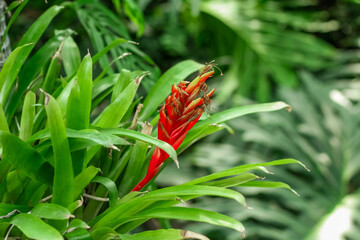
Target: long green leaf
point(164, 234)
point(12, 19)
point(192, 214)
point(233, 181)
point(80, 119)
point(113, 114)
point(206, 127)
point(7, 74)
point(70, 55)
point(241, 169)
point(116, 216)
point(63, 174)
point(105, 139)
point(108, 48)
point(267, 184)
point(27, 117)
point(142, 137)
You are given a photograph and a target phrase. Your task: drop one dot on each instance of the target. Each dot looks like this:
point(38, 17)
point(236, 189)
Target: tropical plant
point(71, 149)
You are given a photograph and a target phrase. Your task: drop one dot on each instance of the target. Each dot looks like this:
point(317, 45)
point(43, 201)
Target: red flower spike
point(178, 115)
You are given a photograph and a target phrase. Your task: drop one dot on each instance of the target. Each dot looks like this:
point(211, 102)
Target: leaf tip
point(136, 43)
point(47, 98)
point(140, 78)
point(176, 162)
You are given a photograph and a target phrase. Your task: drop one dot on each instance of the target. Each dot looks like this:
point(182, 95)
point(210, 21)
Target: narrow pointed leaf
point(192, 214)
point(267, 184)
point(241, 169)
point(112, 114)
point(142, 137)
point(70, 55)
point(206, 127)
point(101, 138)
point(8, 74)
point(27, 117)
point(63, 175)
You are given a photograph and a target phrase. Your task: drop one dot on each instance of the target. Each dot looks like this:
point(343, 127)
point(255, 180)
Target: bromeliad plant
point(71, 151)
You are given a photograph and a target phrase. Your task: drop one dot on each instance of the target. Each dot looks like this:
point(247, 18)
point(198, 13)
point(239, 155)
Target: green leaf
point(8, 208)
point(63, 171)
point(51, 211)
point(70, 55)
point(142, 137)
point(104, 84)
point(108, 48)
point(206, 127)
point(110, 186)
point(241, 169)
point(34, 33)
point(77, 223)
point(137, 159)
point(3, 122)
point(78, 117)
point(192, 214)
point(162, 87)
point(266, 184)
point(78, 234)
point(23, 157)
point(52, 74)
point(64, 96)
point(233, 181)
point(83, 179)
point(13, 17)
point(118, 215)
point(7, 74)
point(105, 139)
point(104, 233)
point(35, 228)
point(113, 113)
point(161, 234)
point(27, 116)
point(123, 81)
point(12, 6)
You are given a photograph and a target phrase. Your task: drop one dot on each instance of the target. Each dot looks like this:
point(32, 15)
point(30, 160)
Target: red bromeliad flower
point(177, 116)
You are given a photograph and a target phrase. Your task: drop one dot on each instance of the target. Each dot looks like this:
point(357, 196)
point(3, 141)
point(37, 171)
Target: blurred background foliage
point(303, 52)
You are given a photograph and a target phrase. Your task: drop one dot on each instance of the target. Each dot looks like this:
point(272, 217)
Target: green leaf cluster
point(66, 170)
